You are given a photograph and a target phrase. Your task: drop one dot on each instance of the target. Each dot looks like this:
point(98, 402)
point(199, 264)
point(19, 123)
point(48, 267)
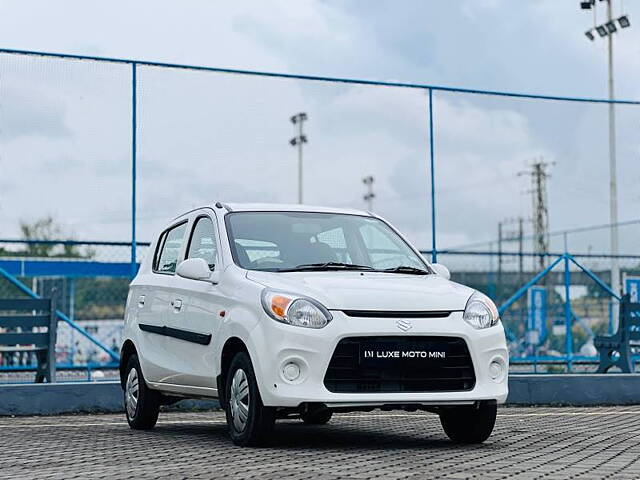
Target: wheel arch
point(128, 349)
point(232, 346)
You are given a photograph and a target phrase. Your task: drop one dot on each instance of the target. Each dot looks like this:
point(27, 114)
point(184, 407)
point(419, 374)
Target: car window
point(275, 241)
point(257, 249)
point(170, 252)
point(336, 240)
point(385, 248)
point(203, 242)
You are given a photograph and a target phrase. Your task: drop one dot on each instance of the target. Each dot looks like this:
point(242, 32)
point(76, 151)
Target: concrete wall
point(576, 390)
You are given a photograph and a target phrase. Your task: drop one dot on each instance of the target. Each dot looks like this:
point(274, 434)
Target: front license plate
point(402, 353)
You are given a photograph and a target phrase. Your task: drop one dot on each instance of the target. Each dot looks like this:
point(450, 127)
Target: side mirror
point(441, 270)
point(197, 269)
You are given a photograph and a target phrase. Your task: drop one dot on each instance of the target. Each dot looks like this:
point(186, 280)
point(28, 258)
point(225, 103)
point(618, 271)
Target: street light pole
point(298, 140)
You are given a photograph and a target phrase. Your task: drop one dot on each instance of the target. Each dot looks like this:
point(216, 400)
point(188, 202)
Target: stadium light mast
point(297, 141)
point(369, 196)
point(607, 30)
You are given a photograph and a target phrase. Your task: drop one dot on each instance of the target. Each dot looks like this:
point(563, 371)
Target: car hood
point(340, 290)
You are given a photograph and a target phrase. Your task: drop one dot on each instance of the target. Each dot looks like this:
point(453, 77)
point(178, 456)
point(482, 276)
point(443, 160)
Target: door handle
point(176, 304)
point(141, 301)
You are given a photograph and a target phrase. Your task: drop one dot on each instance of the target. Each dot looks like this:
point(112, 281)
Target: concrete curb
point(106, 397)
point(578, 390)
point(74, 397)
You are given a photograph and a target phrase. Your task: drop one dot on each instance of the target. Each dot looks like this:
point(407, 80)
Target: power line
point(556, 233)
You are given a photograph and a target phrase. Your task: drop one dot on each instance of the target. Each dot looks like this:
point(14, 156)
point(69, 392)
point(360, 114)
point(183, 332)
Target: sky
point(65, 126)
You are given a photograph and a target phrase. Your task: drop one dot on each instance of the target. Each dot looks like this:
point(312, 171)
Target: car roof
point(275, 207)
point(284, 207)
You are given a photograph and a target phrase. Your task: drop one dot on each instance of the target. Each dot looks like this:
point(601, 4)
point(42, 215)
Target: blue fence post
point(567, 313)
point(72, 316)
point(134, 108)
point(434, 252)
point(491, 284)
point(611, 331)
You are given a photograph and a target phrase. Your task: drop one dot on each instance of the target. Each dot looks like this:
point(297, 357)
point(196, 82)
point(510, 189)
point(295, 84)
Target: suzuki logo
point(404, 325)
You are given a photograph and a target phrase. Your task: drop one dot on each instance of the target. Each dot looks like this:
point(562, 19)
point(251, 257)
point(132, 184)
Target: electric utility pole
point(297, 141)
point(369, 196)
point(607, 29)
point(540, 219)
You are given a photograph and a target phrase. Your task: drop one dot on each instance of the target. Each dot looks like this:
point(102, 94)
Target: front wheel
point(248, 420)
point(142, 404)
point(472, 424)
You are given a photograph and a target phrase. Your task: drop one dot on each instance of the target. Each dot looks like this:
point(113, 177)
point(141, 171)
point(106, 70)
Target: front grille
point(350, 372)
point(398, 314)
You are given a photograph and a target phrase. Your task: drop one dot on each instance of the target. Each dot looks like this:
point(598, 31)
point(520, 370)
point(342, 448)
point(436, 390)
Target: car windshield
point(298, 241)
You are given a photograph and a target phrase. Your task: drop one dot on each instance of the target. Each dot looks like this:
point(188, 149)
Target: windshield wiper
point(406, 269)
point(326, 266)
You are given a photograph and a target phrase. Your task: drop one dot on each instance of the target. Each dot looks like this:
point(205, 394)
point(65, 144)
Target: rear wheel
point(318, 417)
point(248, 420)
point(472, 424)
point(142, 404)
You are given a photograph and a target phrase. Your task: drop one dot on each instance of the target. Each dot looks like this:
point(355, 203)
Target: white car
point(288, 310)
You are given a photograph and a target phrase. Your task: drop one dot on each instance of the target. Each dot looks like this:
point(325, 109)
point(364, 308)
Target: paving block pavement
point(528, 443)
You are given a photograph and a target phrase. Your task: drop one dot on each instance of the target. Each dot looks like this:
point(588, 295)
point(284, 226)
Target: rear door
point(197, 320)
point(154, 300)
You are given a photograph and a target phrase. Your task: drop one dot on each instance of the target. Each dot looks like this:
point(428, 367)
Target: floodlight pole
point(613, 184)
point(434, 248)
point(369, 196)
point(298, 140)
point(134, 127)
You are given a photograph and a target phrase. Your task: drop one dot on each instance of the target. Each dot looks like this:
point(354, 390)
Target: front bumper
point(274, 345)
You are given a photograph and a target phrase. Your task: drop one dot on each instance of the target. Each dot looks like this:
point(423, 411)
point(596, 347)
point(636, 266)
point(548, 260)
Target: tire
point(248, 420)
point(469, 424)
point(318, 417)
point(141, 404)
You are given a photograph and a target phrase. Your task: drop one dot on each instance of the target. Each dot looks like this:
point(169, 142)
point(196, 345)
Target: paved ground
point(546, 443)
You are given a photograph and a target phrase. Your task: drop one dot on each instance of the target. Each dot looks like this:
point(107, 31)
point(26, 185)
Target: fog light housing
point(291, 371)
point(497, 370)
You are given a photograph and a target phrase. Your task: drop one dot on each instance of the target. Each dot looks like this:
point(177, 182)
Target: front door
point(193, 318)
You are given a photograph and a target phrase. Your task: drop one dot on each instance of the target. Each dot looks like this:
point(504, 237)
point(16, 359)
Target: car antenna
point(224, 205)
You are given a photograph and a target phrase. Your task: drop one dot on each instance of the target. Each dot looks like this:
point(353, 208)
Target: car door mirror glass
point(441, 270)
point(196, 269)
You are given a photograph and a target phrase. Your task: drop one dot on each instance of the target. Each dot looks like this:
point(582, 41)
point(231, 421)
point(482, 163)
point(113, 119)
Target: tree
point(46, 229)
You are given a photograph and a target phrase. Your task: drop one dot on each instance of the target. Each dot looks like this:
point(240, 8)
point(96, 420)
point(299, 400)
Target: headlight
point(480, 312)
point(294, 309)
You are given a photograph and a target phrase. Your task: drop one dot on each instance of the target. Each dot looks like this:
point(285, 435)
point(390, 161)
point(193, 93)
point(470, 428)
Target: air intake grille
point(397, 314)
point(400, 364)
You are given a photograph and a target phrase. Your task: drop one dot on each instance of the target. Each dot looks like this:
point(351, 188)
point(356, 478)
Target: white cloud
point(204, 136)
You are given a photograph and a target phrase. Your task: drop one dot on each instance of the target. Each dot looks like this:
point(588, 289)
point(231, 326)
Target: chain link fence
point(89, 281)
point(114, 147)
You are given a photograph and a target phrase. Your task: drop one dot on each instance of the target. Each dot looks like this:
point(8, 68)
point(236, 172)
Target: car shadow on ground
point(296, 435)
